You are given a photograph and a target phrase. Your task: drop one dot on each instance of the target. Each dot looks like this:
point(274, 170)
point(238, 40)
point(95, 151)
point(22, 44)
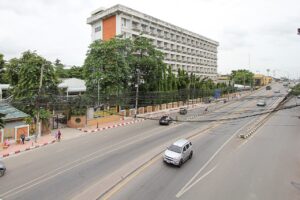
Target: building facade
point(182, 48)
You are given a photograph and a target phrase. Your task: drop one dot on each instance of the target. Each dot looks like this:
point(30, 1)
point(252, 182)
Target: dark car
point(2, 168)
point(165, 120)
point(268, 87)
point(183, 111)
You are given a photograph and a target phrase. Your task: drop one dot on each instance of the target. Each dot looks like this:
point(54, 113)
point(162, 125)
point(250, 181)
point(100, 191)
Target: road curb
point(26, 149)
point(111, 126)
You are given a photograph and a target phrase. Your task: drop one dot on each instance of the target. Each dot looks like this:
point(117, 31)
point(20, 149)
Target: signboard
point(217, 93)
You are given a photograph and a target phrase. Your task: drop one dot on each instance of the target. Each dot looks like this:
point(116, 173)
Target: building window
point(97, 29)
point(124, 22)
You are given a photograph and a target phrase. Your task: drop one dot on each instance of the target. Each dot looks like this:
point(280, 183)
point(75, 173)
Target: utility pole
point(98, 93)
point(244, 80)
point(137, 91)
point(249, 61)
point(37, 127)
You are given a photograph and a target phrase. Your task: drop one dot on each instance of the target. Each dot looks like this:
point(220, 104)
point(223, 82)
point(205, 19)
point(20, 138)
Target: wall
point(101, 120)
point(22, 130)
point(73, 124)
point(97, 35)
point(109, 27)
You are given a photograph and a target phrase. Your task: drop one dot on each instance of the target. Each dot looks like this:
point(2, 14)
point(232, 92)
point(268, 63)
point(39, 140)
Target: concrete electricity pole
point(37, 127)
point(137, 91)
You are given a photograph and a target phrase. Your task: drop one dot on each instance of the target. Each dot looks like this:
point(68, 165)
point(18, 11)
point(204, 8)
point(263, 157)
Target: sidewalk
point(67, 133)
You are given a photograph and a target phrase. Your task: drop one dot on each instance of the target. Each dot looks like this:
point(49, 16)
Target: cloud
point(57, 29)
point(234, 38)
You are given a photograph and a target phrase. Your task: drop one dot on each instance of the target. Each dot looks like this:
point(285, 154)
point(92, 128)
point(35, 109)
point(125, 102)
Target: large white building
point(182, 48)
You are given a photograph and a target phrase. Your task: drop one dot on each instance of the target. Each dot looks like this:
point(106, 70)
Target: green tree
point(12, 72)
point(242, 76)
point(76, 72)
point(3, 78)
point(148, 61)
point(28, 80)
point(183, 79)
point(59, 69)
point(106, 62)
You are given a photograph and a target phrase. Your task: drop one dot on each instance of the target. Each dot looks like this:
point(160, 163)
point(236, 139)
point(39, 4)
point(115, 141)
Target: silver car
point(2, 168)
point(261, 103)
point(179, 152)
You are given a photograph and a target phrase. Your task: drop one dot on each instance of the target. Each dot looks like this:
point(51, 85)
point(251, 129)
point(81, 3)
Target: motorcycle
point(2, 168)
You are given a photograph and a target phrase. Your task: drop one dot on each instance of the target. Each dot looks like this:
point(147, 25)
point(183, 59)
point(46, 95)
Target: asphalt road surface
point(264, 166)
point(68, 169)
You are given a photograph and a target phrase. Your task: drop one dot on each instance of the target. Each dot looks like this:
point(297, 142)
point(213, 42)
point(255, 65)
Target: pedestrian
point(55, 135)
point(23, 138)
point(58, 135)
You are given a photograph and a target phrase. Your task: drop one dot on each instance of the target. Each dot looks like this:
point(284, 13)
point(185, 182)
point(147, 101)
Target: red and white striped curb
point(111, 126)
point(27, 149)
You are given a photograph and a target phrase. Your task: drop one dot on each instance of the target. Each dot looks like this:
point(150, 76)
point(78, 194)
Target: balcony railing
point(136, 28)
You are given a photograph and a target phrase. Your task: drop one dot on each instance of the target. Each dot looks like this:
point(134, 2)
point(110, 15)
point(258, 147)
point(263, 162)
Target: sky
point(253, 34)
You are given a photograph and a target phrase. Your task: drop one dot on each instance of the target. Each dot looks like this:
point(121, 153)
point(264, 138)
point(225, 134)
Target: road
point(264, 166)
point(86, 166)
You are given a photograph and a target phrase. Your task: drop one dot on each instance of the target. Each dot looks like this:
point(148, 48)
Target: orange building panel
point(109, 28)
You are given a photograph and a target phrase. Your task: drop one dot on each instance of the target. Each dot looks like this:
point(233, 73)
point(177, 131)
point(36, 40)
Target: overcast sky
point(262, 30)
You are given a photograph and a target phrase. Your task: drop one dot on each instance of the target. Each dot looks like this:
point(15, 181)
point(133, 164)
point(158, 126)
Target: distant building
point(261, 80)
point(14, 123)
point(182, 48)
point(3, 90)
point(72, 86)
point(223, 79)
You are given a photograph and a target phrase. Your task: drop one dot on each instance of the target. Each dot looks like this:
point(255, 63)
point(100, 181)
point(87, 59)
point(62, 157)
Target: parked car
point(277, 91)
point(179, 152)
point(268, 87)
point(298, 97)
point(165, 120)
point(183, 111)
point(261, 103)
point(2, 168)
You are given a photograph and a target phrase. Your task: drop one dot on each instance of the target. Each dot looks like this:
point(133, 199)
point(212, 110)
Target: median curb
point(261, 121)
point(26, 149)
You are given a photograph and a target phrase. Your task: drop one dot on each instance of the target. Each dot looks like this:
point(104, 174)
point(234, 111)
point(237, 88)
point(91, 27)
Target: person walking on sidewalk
point(23, 138)
point(58, 135)
point(55, 135)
